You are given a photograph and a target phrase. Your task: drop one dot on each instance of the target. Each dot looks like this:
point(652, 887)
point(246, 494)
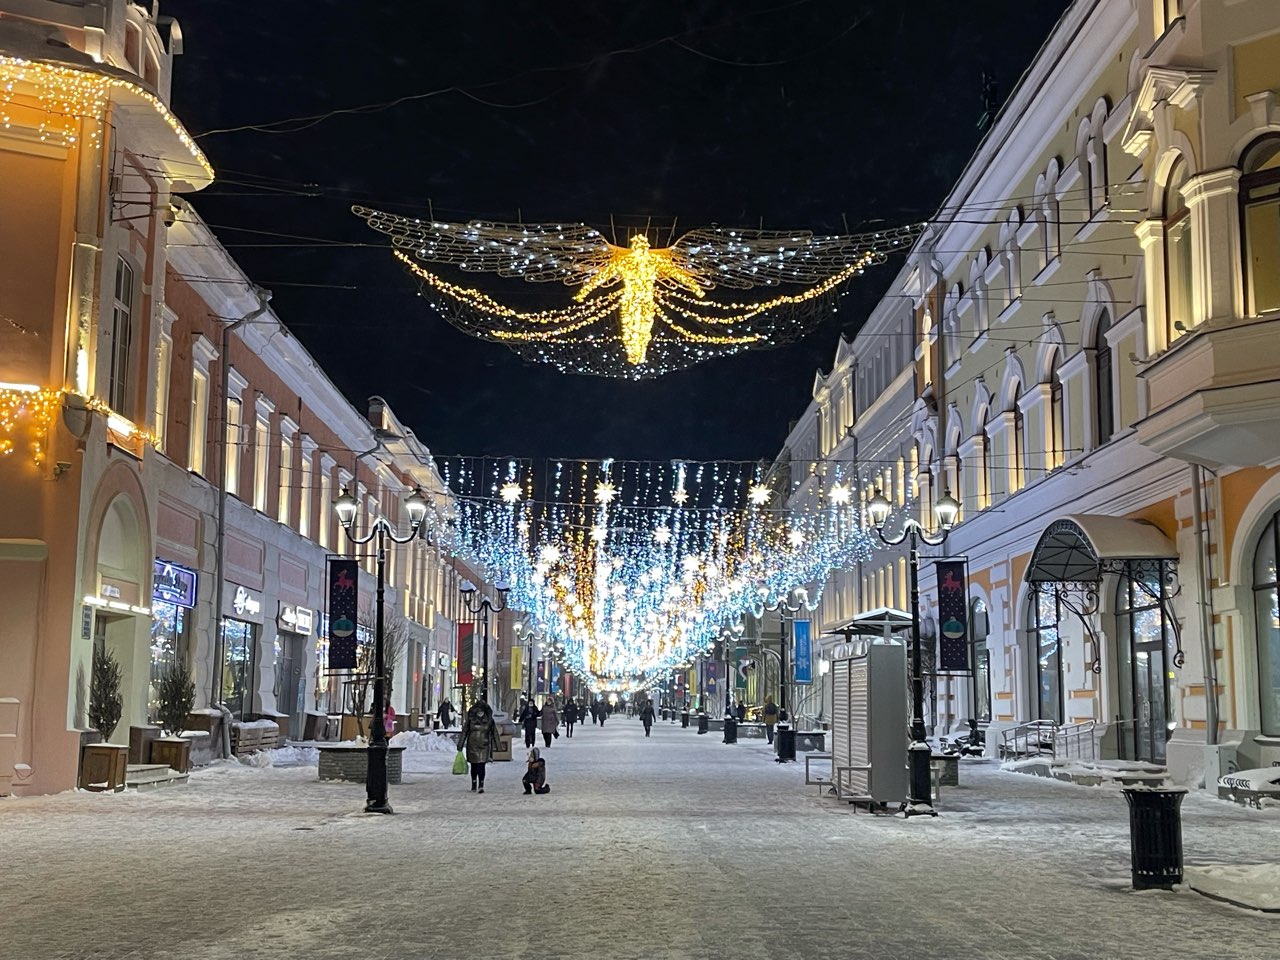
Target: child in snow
point(535, 778)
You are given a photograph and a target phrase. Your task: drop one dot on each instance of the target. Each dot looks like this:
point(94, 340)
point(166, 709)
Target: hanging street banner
point(517, 668)
point(343, 582)
point(711, 670)
point(742, 667)
point(555, 678)
point(953, 614)
point(541, 677)
point(801, 633)
point(466, 652)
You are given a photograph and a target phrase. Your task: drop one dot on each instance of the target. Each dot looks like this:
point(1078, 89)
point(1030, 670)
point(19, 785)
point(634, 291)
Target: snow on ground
point(677, 846)
point(1254, 885)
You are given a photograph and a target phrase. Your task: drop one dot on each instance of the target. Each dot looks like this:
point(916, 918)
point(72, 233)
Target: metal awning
point(1080, 547)
point(1076, 551)
point(880, 622)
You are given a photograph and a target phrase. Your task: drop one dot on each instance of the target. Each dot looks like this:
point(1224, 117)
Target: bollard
point(1155, 836)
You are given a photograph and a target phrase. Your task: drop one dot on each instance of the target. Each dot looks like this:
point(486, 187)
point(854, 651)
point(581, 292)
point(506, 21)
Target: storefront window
point(1266, 595)
point(169, 626)
point(1048, 653)
point(239, 641)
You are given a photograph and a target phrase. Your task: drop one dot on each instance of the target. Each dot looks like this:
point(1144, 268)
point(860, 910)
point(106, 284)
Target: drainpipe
point(215, 686)
point(1206, 615)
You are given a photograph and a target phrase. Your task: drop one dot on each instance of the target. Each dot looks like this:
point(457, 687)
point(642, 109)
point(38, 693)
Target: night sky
point(793, 115)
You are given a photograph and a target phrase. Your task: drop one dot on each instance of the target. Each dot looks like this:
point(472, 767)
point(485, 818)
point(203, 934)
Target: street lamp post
point(345, 506)
point(786, 607)
point(477, 605)
point(533, 638)
point(920, 798)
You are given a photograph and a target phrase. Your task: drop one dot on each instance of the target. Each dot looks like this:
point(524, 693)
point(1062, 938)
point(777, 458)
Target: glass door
point(1144, 662)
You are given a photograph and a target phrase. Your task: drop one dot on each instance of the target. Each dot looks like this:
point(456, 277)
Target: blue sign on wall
point(801, 633)
point(171, 583)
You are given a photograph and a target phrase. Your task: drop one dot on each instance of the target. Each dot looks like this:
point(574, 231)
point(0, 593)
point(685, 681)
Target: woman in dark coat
point(550, 721)
point(480, 740)
point(570, 717)
point(647, 717)
point(529, 720)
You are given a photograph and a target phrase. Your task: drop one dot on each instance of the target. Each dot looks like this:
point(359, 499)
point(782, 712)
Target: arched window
point(1260, 202)
point(1046, 650)
point(979, 628)
point(1143, 650)
point(1017, 446)
point(988, 469)
point(1105, 394)
point(1177, 251)
point(1266, 596)
point(1057, 426)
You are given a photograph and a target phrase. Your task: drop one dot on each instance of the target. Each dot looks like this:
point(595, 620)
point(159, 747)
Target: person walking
point(742, 712)
point(604, 712)
point(550, 721)
point(445, 713)
point(770, 717)
point(647, 717)
point(570, 717)
point(529, 720)
point(480, 741)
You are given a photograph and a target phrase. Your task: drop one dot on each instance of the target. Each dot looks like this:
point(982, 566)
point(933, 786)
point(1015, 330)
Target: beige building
point(1083, 349)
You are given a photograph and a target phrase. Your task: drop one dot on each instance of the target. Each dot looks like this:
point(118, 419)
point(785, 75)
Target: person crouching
point(535, 777)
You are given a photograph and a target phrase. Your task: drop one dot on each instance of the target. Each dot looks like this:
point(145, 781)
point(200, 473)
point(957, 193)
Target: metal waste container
point(684, 718)
point(730, 729)
point(1155, 836)
point(784, 742)
point(703, 725)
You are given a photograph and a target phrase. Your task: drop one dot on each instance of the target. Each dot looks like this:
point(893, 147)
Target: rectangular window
point(121, 339)
point(164, 358)
point(233, 440)
point(199, 420)
point(261, 453)
point(286, 481)
point(326, 495)
point(304, 496)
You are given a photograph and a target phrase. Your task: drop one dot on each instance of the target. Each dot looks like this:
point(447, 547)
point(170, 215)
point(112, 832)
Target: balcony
point(1215, 396)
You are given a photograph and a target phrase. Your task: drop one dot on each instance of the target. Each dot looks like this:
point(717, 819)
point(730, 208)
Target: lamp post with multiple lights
point(346, 507)
point(786, 607)
point(481, 606)
point(920, 798)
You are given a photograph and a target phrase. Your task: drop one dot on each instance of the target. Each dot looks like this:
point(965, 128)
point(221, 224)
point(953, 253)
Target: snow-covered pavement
point(673, 847)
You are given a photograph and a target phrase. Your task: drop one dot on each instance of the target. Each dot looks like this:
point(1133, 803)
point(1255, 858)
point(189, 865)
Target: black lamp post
point(533, 638)
point(920, 798)
point(346, 506)
point(483, 606)
point(786, 607)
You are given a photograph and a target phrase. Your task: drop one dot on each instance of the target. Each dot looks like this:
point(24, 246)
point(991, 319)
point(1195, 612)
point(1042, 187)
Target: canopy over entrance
point(879, 622)
point(1081, 547)
point(1076, 551)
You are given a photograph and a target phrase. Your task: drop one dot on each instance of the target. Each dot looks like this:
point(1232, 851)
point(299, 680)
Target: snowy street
point(673, 847)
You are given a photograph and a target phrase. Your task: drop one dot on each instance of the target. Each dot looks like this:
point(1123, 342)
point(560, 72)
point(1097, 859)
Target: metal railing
point(1047, 738)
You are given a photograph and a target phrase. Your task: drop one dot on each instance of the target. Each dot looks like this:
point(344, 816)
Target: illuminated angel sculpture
point(666, 318)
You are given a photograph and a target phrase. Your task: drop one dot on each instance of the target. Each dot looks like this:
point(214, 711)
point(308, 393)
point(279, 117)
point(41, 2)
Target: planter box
point(351, 763)
point(504, 747)
point(173, 752)
point(202, 747)
point(103, 767)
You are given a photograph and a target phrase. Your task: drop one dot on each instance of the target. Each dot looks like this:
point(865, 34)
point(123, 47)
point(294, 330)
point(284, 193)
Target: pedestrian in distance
point(604, 712)
point(535, 775)
point(570, 717)
point(647, 717)
point(742, 711)
point(445, 713)
point(480, 741)
point(550, 721)
point(529, 720)
point(770, 717)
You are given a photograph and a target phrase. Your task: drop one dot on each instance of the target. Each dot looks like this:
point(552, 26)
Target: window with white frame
point(305, 480)
point(1260, 209)
point(1177, 252)
point(119, 381)
point(164, 362)
point(261, 461)
point(326, 499)
point(235, 418)
point(199, 420)
point(286, 481)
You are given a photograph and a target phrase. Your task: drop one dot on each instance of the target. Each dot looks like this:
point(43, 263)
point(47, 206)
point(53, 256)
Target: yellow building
point(1083, 349)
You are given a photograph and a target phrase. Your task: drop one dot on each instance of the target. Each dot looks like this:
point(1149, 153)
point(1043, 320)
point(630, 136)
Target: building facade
point(1082, 349)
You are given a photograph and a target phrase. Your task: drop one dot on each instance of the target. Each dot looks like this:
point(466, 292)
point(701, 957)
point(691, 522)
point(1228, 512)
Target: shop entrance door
point(291, 682)
point(1151, 696)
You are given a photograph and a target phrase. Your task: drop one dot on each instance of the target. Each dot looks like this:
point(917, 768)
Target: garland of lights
point(35, 407)
point(638, 311)
point(632, 569)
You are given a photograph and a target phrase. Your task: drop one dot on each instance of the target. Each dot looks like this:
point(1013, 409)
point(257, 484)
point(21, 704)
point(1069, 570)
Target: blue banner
point(800, 633)
point(555, 678)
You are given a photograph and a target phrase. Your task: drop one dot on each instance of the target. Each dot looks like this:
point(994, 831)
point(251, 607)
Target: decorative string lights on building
point(634, 568)
point(639, 311)
point(33, 408)
point(60, 97)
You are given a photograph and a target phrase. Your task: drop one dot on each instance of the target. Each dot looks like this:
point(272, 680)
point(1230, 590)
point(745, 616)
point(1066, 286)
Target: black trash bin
point(684, 718)
point(703, 725)
point(730, 729)
point(784, 742)
point(1155, 836)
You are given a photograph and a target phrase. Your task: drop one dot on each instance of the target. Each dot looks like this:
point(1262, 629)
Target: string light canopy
point(633, 568)
point(638, 311)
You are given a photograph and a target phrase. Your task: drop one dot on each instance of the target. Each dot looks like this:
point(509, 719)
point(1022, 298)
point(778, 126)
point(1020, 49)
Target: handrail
point(1060, 741)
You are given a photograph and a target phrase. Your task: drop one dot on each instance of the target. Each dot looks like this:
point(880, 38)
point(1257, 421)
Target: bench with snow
point(254, 735)
point(1251, 787)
